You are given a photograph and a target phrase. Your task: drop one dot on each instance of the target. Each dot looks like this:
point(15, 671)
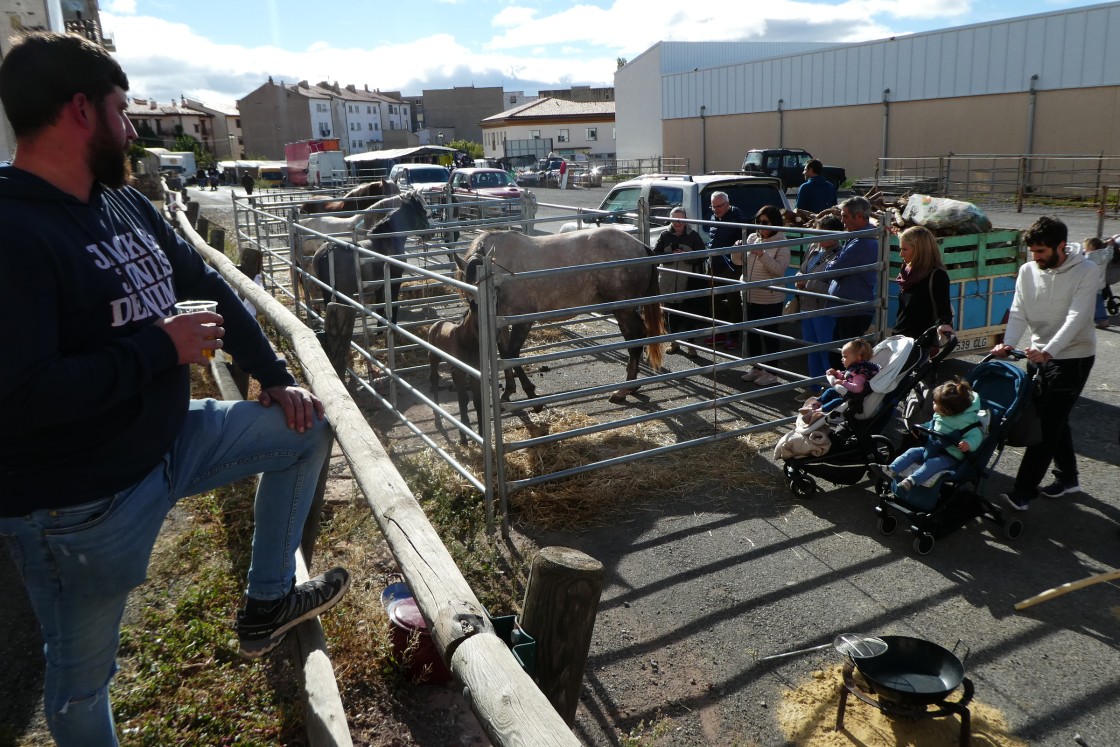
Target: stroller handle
point(932, 337)
point(1014, 354)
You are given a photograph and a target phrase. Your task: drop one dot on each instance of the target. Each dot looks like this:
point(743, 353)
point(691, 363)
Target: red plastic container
point(423, 662)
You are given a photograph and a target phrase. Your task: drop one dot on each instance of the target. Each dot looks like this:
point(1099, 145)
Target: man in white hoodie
point(1054, 297)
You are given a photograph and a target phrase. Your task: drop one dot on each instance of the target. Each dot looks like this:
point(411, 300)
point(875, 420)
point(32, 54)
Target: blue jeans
point(81, 562)
point(930, 467)
point(1100, 313)
point(818, 329)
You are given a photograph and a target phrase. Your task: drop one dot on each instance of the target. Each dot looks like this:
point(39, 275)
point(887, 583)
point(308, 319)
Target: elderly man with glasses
point(728, 307)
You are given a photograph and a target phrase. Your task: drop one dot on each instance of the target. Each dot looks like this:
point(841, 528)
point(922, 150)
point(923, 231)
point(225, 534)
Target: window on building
point(377, 125)
point(369, 110)
point(392, 125)
point(612, 134)
point(562, 136)
point(370, 125)
point(535, 134)
point(237, 123)
point(196, 128)
point(592, 133)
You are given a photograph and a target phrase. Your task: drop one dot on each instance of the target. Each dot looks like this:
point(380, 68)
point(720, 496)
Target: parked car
point(788, 164)
point(587, 177)
point(663, 192)
point(427, 178)
point(494, 187)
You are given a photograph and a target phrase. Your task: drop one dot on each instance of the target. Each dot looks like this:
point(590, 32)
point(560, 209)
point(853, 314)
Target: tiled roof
point(550, 108)
point(138, 107)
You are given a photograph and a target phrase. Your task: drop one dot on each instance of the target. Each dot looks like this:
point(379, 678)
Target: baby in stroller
point(847, 388)
point(955, 430)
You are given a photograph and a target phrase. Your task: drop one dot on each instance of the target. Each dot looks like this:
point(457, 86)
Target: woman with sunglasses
point(762, 263)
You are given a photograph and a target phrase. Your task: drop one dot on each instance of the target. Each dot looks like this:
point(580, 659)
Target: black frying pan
point(912, 671)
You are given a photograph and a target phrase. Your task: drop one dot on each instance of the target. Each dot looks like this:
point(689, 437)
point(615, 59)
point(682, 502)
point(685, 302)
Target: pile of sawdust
point(807, 715)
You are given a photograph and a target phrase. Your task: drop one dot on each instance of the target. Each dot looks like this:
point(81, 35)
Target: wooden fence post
point(339, 332)
point(218, 239)
point(192, 213)
point(561, 600)
point(1101, 211)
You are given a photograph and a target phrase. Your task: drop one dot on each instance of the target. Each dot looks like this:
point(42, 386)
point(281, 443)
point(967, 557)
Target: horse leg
point(460, 378)
point(515, 338)
point(632, 327)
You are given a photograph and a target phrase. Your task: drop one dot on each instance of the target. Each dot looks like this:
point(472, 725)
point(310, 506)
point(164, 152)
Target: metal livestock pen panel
point(393, 378)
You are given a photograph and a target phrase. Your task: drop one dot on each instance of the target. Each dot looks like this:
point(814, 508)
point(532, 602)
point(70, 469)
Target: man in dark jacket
point(101, 436)
point(816, 193)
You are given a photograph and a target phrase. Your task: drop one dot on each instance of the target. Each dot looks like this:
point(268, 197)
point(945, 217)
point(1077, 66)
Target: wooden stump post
point(561, 600)
point(192, 213)
point(203, 228)
point(218, 239)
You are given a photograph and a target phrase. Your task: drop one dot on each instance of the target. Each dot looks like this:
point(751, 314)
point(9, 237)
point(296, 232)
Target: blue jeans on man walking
point(81, 562)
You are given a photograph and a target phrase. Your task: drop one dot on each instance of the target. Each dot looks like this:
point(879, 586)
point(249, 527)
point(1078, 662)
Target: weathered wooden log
point(561, 600)
point(202, 226)
point(497, 696)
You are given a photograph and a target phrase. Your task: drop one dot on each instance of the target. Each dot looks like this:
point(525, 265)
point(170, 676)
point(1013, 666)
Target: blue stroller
point(957, 498)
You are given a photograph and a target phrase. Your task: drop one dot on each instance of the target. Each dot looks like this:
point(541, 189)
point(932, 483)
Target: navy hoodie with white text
point(92, 391)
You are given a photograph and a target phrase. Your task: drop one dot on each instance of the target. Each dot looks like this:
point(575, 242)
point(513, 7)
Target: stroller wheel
point(790, 472)
point(803, 487)
point(923, 543)
point(1113, 306)
point(1013, 529)
point(887, 524)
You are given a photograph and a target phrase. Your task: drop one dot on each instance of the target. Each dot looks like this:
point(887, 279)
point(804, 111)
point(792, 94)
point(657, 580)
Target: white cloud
point(121, 7)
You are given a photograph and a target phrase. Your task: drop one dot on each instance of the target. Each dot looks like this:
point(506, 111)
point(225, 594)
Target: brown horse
point(359, 197)
point(513, 253)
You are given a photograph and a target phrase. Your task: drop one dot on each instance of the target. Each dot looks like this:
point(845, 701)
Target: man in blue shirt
point(855, 214)
point(817, 193)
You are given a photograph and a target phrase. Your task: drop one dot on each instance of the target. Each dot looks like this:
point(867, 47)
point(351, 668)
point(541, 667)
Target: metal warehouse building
point(1040, 84)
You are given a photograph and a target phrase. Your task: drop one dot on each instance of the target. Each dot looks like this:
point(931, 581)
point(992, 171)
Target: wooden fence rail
point(508, 704)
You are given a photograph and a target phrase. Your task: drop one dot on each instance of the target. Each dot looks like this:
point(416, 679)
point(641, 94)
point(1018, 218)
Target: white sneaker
point(753, 374)
point(766, 379)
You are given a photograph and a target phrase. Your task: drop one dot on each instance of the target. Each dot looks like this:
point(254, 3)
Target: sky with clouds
point(218, 51)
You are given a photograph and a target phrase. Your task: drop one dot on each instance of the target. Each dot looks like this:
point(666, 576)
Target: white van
point(326, 169)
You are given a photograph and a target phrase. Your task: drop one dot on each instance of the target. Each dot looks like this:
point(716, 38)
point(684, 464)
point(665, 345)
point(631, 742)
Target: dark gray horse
point(412, 215)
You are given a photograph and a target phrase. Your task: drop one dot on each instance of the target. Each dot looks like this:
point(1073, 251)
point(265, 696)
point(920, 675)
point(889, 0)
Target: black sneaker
point(1013, 500)
point(1059, 487)
point(262, 624)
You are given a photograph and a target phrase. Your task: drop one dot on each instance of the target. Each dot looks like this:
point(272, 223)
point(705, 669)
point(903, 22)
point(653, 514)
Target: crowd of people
point(1058, 299)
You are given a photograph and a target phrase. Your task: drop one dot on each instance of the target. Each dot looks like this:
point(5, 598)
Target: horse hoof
point(619, 397)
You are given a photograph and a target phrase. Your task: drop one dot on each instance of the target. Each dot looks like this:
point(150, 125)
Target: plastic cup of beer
point(192, 307)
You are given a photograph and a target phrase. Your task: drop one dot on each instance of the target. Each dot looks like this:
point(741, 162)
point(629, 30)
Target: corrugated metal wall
point(1068, 49)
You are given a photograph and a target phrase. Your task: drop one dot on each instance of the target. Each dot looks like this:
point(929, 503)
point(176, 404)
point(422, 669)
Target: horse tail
point(655, 325)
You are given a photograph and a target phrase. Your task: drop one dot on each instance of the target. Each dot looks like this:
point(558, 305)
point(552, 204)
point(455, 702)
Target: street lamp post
point(703, 141)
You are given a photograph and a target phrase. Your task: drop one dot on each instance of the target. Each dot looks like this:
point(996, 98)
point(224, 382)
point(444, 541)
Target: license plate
point(973, 344)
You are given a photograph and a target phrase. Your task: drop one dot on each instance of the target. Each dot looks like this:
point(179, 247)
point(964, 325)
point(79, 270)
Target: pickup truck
point(663, 192)
point(788, 164)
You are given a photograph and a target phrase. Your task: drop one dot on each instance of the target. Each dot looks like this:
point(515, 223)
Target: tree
point(471, 148)
point(184, 143)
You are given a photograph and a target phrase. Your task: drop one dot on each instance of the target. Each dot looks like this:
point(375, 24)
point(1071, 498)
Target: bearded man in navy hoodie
point(100, 436)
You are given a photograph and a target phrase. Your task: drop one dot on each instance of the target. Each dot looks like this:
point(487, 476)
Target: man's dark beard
point(107, 161)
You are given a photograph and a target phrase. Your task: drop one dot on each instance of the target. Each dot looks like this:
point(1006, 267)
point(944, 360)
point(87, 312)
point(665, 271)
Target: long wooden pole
point(1058, 591)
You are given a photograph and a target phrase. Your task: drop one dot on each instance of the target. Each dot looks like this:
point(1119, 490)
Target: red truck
point(297, 155)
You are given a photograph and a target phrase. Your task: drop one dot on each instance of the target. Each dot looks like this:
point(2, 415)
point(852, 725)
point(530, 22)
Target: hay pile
point(704, 473)
point(807, 715)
